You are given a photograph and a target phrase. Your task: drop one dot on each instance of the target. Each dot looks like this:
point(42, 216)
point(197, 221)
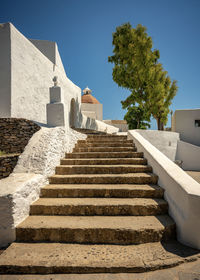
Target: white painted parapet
point(181, 191)
point(189, 155)
point(36, 163)
point(89, 123)
point(164, 141)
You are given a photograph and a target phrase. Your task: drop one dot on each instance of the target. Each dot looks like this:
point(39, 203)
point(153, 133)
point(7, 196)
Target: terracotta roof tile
point(88, 98)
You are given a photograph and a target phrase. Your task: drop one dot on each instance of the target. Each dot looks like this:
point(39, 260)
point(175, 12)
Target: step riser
point(99, 142)
point(106, 210)
point(64, 170)
point(106, 138)
point(116, 193)
point(94, 235)
point(89, 144)
point(105, 149)
point(104, 180)
point(42, 269)
point(103, 161)
point(105, 155)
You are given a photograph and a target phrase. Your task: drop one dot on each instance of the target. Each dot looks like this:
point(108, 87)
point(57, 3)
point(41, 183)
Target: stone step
point(104, 144)
point(101, 169)
point(106, 137)
point(99, 142)
point(120, 191)
point(59, 258)
point(105, 149)
point(105, 155)
point(130, 178)
point(89, 131)
point(104, 161)
point(96, 229)
point(99, 206)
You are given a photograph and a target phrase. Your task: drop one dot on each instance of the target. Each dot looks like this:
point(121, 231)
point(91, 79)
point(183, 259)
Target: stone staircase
point(101, 212)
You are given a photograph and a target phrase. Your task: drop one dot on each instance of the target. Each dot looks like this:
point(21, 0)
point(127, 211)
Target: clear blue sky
point(83, 31)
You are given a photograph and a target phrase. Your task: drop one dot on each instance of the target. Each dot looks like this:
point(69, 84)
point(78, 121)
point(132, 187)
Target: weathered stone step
point(104, 144)
point(101, 169)
point(105, 149)
point(58, 258)
point(96, 229)
point(101, 142)
point(99, 206)
point(104, 161)
point(106, 137)
point(105, 155)
point(130, 178)
point(145, 191)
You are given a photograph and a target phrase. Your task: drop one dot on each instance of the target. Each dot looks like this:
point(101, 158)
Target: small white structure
point(55, 109)
point(121, 124)
point(187, 123)
point(90, 106)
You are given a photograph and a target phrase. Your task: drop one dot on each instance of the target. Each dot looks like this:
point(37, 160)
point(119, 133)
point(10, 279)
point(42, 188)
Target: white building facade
point(187, 123)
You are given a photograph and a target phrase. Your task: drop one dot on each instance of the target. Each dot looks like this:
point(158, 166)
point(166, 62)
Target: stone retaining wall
point(7, 164)
point(15, 134)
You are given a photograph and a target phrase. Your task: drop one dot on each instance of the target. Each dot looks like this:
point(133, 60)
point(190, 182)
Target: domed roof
point(88, 98)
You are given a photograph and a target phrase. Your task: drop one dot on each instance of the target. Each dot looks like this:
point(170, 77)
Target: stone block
point(55, 114)
point(55, 94)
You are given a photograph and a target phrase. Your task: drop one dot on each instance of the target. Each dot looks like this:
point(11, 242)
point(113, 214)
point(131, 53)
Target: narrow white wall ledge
point(36, 163)
point(181, 191)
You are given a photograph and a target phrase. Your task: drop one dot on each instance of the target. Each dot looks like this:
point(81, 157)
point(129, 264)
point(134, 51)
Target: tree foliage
point(136, 68)
point(137, 118)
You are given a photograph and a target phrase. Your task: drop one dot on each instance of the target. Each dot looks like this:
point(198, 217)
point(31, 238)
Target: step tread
point(134, 223)
point(127, 175)
point(103, 186)
point(80, 258)
point(102, 144)
point(105, 154)
point(101, 190)
point(114, 149)
point(94, 161)
point(103, 165)
point(99, 206)
point(102, 169)
point(99, 201)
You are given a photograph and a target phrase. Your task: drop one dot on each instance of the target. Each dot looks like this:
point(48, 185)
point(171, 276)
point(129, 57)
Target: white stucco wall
point(32, 74)
point(50, 50)
point(181, 191)
point(46, 47)
point(36, 163)
point(184, 123)
point(5, 71)
point(164, 141)
point(95, 110)
point(189, 155)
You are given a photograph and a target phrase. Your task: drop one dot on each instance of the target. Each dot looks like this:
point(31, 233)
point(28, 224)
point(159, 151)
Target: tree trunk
point(138, 124)
point(160, 124)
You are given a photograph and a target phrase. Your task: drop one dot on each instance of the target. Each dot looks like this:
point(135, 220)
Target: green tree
point(136, 68)
point(137, 117)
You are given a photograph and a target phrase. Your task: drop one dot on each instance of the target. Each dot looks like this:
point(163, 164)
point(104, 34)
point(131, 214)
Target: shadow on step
point(179, 249)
